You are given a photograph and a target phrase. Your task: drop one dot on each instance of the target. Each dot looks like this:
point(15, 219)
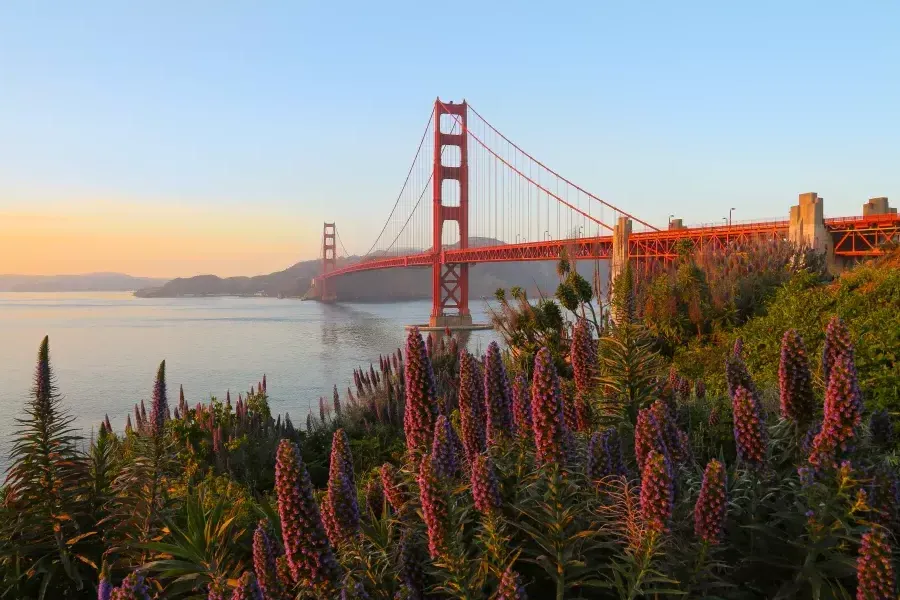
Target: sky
point(179, 138)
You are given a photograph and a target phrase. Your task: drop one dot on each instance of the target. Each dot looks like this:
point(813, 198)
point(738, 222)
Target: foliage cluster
point(583, 464)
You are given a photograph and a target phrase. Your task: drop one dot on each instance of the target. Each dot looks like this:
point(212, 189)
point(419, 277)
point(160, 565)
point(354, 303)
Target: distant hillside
point(390, 284)
point(89, 282)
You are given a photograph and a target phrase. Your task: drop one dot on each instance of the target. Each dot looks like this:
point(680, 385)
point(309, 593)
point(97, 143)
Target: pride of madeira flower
point(749, 429)
point(795, 380)
point(421, 402)
point(547, 411)
point(497, 396)
point(709, 512)
point(874, 569)
point(340, 510)
point(309, 554)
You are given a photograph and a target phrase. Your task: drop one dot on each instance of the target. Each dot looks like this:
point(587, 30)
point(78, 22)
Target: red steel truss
point(853, 237)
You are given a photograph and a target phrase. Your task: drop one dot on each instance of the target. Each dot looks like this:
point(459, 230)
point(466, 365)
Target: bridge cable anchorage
point(536, 184)
point(551, 171)
point(405, 182)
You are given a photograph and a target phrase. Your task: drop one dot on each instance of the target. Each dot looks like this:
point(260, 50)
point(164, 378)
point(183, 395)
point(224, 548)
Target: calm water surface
point(105, 348)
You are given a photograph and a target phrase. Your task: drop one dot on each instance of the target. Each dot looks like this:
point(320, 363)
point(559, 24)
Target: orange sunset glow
point(149, 241)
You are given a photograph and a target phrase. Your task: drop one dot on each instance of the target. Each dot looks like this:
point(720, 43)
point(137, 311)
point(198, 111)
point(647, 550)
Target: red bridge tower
point(329, 261)
point(450, 281)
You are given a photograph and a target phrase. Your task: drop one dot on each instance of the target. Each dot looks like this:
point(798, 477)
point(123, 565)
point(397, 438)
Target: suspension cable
point(577, 187)
point(405, 182)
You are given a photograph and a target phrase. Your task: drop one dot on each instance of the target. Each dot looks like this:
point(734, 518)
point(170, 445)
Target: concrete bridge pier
point(621, 233)
point(807, 228)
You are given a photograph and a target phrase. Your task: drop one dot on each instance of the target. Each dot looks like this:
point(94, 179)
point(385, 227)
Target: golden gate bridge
point(471, 195)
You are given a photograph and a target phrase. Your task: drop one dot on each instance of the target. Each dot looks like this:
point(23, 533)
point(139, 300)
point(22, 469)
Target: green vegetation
point(733, 435)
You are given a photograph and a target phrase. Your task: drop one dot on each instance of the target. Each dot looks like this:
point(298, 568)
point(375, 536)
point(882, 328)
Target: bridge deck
point(853, 237)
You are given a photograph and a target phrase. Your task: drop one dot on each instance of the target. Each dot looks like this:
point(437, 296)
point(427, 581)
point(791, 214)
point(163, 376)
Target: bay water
point(105, 348)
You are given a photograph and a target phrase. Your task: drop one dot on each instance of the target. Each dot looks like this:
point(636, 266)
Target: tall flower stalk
point(709, 512)
point(874, 568)
point(584, 364)
point(265, 563)
point(497, 395)
point(648, 437)
point(421, 402)
point(657, 492)
point(837, 342)
point(434, 509)
point(471, 409)
point(443, 449)
point(843, 414)
point(605, 455)
point(749, 429)
point(309, 554)
point(522, 407)
point(340, 510)
point(46, 481)
point(795, 380)
point(547, 411)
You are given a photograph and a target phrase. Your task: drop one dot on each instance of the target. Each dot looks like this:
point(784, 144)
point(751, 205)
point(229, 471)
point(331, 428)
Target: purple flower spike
point(471, 409)
point(265, 563)
point(795, 380)
point(605, 455)
point(247, 588)
point(737, 375)
point(648, 437)
point(443, 450)
point(104, 590)
point(700, 389)
point(160, 406)
point(485, 489)
point(375, 497)
point(874, 569)
point(434, 508)
point(709, 512)
point(216, 590)
point(837, 342)
point(309, 554)
point(843, 414)
point(392, 490)
point(337, 403)
point(421, 402)
point(657, 492)
point(522, 407)
point(340, 509)
point(676, 442)
point(497, 396)
point(583, 355)
point(749, 429)
point(550, 430)
point(412, 571)
point(132, 588)
point(511, 587)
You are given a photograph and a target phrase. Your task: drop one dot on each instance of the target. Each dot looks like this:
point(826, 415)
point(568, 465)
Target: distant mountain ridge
point(87, 282)
point(381, 285)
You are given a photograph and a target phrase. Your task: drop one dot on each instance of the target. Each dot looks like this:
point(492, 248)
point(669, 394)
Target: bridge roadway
point(852, 237)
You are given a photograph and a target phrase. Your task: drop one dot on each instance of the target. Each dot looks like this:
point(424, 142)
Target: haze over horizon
point(175, 140)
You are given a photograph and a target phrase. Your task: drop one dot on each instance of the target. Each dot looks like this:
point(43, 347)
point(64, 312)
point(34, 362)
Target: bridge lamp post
point(670, 220)
point(518, 235)
point(546, 235)
point(729, 216)
point(725, 220)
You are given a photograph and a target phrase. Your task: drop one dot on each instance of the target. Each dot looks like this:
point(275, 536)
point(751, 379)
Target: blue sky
point(298, 112)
